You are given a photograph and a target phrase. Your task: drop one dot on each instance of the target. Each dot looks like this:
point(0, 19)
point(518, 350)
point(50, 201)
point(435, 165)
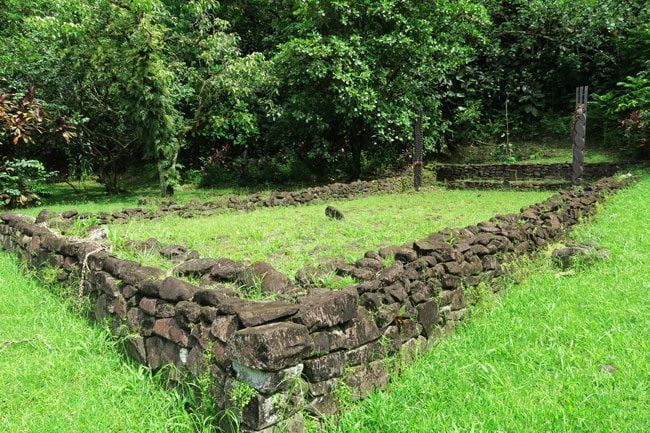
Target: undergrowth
point(290, 238)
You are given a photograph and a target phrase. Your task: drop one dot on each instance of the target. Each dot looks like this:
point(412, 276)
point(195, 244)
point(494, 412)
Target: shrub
point(22, 183)
point(19, 118)
point(629, 106)
point(637, 131)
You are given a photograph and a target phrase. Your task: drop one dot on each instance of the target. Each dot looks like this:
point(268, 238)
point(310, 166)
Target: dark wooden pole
point(417, 153)
point(578, 134)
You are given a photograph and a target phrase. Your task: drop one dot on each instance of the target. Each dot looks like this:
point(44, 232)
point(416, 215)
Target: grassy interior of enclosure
point(291, 237)
point(561, 352)
point(58, 374)
point(90, 196)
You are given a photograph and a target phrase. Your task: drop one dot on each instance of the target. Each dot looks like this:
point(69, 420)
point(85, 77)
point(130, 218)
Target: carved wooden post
point(578, 133)
point(417, 154)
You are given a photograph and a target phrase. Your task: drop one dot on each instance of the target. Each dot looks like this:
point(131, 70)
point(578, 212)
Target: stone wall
point(335, 191)
point(508, 185)
point(291, 354)
point(513, 172)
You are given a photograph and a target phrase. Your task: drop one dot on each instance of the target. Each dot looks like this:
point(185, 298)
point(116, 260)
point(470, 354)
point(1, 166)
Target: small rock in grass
point(69, 214)
point(608, 368)
point(333, 213)
point(99, 234)
point(565, 257)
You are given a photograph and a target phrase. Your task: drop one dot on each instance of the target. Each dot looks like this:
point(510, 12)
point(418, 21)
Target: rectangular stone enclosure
point(273, 361)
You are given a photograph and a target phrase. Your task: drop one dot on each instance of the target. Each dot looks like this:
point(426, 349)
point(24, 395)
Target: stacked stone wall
point(293, 353)
point(508, 185)
point(513, 172)
point(334, 191)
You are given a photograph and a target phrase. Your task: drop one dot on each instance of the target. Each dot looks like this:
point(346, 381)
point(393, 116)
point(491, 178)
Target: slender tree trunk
point(356, 159)
point(358, 143)
point(162, 179)
point(167, 167)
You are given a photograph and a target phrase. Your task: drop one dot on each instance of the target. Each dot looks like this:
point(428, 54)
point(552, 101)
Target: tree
point(105, 64)
point(330, 88)
point(354, 74)
point(544, 49)
point(231, 92)
point(138, 78)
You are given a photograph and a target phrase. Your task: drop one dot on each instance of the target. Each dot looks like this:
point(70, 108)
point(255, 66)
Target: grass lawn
point(58, 374)
point(561, 352)
point(292, 237)
point(91, 196)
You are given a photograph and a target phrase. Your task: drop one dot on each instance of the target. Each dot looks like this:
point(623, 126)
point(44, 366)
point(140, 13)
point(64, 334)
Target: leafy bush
point(556, 126)
point(22, 183)
point(629, 106)
point(637, 130)
point(20, 117)
point(504, 153)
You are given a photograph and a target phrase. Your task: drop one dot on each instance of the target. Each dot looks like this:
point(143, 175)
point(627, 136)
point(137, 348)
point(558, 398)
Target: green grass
point(59, 375)
point(289, 238)
point(533, 361)
point(90, 196)
point(529, 361)
point(551, 152)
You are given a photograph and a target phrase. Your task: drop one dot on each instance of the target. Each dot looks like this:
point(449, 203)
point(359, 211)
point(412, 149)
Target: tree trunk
point(165, 168)
point(162, 180)
point(356, 159)
point(358, 143)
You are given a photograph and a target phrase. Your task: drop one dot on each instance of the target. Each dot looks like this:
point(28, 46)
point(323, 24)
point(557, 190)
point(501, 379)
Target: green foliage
point(316, 89)
point(634, 93)
point(241, 394)
point(354, 74)
point(628, 105)
point(22, 183)
point(203, 411)
point(542, 50)
point(505, 153)
point(81, 226)
point(255, 292)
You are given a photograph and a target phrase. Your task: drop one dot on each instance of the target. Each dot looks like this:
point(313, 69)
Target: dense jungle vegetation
point(207, 91)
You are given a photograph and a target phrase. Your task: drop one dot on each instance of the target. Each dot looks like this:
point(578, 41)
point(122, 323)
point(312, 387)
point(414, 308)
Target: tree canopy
point(303, 88)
